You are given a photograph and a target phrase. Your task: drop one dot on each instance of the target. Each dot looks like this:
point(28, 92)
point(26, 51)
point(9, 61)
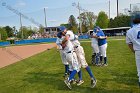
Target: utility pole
point(109, 10)
point(21, 27)
point(80, 28)
point(130, 7)
point(117, 8)
point(0, 36)
point(45, 17)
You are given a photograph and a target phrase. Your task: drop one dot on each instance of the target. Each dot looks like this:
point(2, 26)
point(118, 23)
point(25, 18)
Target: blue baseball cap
point(62, 28)
point(59, 35)
point(95, 29)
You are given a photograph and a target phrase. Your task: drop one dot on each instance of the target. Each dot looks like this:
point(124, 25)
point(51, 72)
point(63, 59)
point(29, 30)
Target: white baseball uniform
point(102, 49)
point(133, 37)
point(62, 53)
point(71, 57)
point(78, 49)
point(94, 44)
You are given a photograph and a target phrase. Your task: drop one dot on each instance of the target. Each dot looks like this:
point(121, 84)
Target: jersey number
point(138, 36)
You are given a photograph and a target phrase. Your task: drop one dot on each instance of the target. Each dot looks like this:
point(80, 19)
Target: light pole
point(80, 28)
point(21, 27)
point(109, 10)
point(117, 8)
point(45, 16)
point(79, 11)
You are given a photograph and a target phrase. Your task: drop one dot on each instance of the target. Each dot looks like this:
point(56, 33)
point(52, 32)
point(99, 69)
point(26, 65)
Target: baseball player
point(80, 54)
point(95, 48)
point(133, 41)
point(102, 44)
point(71, 58)
point(73, 62)
point(62, 54)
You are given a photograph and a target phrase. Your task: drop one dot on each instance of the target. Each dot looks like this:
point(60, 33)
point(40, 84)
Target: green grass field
point(43, 73)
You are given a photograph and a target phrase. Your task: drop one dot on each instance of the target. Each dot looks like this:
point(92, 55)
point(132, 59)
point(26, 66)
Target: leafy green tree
point(41, 29)
point(91, 19)
point(84, 22)
point(66, 25)
point(3, 34)
point(120, 21)
point(102, 20)
point(73, 24)
point(87, 20)
point(9, 30)
point(25, 32)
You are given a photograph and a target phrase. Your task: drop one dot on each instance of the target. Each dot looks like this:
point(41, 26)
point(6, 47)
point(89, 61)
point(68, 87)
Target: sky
point(57, 11)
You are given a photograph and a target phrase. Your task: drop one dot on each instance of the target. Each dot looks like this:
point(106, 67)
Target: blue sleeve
point(98, 34)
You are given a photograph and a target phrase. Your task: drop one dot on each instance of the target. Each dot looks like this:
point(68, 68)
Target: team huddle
point(73, 56)
point(99, 45)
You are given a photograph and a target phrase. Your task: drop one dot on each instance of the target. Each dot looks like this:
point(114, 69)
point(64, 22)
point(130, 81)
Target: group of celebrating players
point(99, 45)
point(73, 56)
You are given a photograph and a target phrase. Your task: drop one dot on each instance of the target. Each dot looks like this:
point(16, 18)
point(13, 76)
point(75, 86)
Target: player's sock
point(93, 58)
point(66, 69)
point(72, 75)
point(139, 82)
point(80, 75)
point(105, 60)
point(97, 58)
point(101, 58)
point(70, 72)
point(90, 72)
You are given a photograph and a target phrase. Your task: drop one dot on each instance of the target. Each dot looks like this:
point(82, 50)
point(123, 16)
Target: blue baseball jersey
point(101, 41)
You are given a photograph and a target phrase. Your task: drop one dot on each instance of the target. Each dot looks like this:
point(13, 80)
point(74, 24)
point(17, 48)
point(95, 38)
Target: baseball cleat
point(80, 82)
point(74, 81)
point(105, 65)
point(93, 83)
point(98, 65)
point(68, 84)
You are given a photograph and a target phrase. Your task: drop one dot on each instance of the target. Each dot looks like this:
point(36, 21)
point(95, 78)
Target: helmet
point(95, 29)
point(62, 28)
point(59, 35)
point(136, 18)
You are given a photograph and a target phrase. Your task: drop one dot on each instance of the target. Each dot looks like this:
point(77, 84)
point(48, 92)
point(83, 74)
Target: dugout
point(51, 29)
point(50, 32)
point(120, 31)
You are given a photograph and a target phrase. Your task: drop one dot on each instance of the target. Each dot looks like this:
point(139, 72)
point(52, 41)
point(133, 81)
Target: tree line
point(83, 23)
point(88, 20)
point(11, 32)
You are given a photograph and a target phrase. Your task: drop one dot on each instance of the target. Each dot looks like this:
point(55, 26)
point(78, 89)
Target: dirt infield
point(10, 55)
